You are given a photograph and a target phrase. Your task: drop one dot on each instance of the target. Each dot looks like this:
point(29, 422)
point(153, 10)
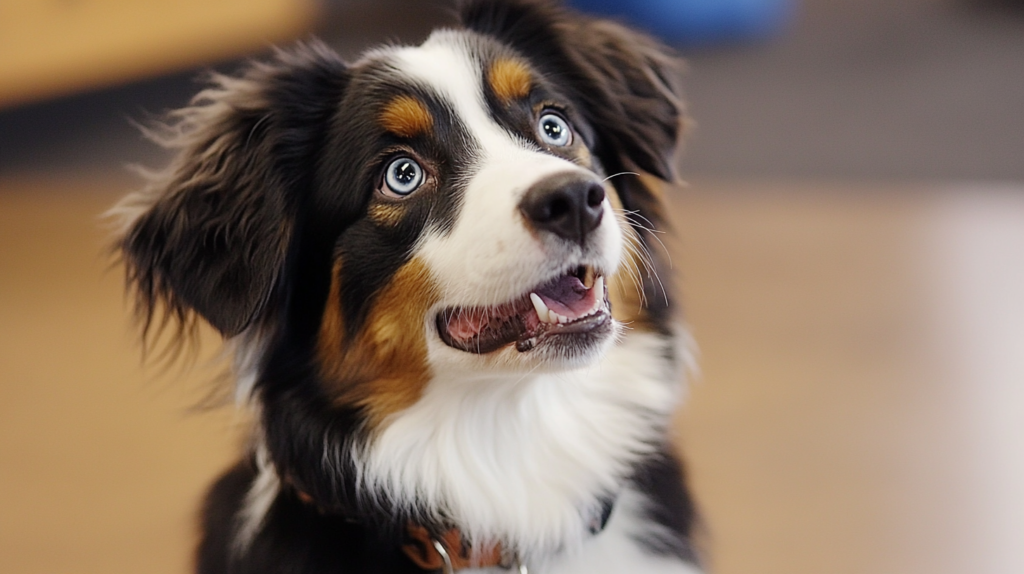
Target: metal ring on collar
point(449, 569)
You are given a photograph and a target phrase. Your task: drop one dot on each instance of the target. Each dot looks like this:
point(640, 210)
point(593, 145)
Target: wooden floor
point(51, 48)
point(860, 407)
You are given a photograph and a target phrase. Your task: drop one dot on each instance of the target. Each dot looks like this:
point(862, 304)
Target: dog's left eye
point(403, 176)
point(554, 130)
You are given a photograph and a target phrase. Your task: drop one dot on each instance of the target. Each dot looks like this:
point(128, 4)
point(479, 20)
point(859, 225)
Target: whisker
point(652, 270)
point(637, 251)
point(650, 224)
point(620, 173)
point(641, 253)
point(633, 271)
point(654, 232)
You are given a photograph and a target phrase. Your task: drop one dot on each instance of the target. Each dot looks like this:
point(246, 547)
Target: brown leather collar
point(421, 549)
point(422, 546)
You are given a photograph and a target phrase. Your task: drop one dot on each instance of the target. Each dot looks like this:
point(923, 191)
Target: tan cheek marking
point(384, 368)
point(613, 196)
point(332, 328)
point(624, 290)
point(406, 117)
point(387, 214)
point(584, 158)
point(655, 186)
point(509, 80)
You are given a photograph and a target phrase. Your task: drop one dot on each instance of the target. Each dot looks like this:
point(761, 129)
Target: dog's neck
point(434, 548)
point(528, 463)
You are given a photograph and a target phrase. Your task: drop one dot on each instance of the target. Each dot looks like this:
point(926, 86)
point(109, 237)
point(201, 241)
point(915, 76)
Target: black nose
point(565, 205)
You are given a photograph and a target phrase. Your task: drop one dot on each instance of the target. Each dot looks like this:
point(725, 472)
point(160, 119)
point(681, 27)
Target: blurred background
point(850, 251)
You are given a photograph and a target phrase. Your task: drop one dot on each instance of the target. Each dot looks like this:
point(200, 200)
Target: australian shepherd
point(438, 271)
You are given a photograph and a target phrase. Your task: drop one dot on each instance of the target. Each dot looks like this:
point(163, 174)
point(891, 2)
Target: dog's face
point(490, 232)
point(447, 214)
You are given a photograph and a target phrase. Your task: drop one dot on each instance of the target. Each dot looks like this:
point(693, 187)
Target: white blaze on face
point(491, 256)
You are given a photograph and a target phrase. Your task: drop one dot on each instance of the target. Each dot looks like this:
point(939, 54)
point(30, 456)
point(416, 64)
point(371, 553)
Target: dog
point(438, 271)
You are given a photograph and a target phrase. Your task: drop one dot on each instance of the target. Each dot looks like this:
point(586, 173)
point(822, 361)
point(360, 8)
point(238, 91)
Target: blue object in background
point(699, 22)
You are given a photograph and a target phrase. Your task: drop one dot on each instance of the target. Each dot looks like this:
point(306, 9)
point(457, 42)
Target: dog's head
point(449, 211)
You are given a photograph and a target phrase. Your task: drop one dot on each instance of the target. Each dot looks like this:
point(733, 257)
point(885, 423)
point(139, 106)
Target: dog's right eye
point(554, 130)
point(402, 177)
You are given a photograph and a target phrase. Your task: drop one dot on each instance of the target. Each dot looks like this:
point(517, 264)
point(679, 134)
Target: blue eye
point(554, 130)
point(403, 176)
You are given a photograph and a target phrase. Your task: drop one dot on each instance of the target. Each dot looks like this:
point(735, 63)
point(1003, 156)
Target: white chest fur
point(524, 459)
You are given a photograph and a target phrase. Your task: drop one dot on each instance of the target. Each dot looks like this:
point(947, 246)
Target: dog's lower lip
point(584, 325)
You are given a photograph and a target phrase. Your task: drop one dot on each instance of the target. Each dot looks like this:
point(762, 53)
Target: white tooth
point(556, 318)
point(588, 278)
point(598, 296)
point(542, 310)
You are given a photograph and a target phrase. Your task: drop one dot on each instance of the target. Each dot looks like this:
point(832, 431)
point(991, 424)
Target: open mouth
point(573, 303)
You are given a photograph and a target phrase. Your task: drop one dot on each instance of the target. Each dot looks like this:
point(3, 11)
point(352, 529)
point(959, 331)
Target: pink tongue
point(567, 296)
point(467, 324)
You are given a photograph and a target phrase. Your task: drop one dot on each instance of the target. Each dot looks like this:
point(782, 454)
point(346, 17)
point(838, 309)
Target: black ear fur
point(210, 235)
point(625, 83)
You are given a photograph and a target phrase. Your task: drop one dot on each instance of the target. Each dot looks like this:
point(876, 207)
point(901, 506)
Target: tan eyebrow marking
point(407, 117)
point(387, 214)
point(510, 79)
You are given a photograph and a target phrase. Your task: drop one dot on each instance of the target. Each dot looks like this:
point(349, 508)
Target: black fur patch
point(216, 235)
point(662, 481)
point(276, 172)
point(296, 537)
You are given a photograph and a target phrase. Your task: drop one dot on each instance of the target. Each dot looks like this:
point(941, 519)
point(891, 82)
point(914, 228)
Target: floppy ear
point(625, 83)
point(210, 235)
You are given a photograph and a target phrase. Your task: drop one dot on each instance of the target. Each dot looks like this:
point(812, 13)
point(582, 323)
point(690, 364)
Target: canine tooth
point(599, 296)
point(588, 277)
point(542, 310)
